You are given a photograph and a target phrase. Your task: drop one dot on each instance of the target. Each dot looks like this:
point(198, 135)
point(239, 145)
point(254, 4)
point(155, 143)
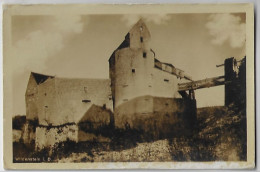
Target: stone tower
point(131, 66)
point(144, 89)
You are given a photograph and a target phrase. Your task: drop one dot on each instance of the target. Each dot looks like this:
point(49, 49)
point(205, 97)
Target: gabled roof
point(139, 23)
point(40, 78)
point(126, 41)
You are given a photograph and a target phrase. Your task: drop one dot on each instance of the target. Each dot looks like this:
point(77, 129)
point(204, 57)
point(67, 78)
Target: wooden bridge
point(205, 83)
point(234, 81)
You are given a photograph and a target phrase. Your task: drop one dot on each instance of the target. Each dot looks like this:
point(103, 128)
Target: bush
point(18, 122)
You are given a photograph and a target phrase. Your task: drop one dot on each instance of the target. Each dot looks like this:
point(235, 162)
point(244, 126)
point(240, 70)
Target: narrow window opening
point(141, 39)
point(30, 95)
point(166, 80)
point(86, 101)
point(144, 54)
point(141, 28)
point(104, 106)
point(133, 70)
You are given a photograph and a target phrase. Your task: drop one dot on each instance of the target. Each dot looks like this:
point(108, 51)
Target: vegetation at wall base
point(220, 135)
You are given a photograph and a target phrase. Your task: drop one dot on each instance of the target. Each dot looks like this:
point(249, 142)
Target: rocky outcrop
point(28, 131)
point(49, 136)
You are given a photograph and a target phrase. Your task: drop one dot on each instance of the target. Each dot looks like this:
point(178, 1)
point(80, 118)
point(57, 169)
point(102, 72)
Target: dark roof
point(40, 78)
point(156, 60)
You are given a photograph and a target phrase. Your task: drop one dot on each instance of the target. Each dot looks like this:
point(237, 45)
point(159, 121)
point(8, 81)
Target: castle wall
point(47, 104)
point(31, 98)
point(76, 96)
point(164, 84)
point(127, 113)
point(94, 124)
point(64, 101)
point(49, 137)
point(28, 132)
point(89, 128)
point(169, 116)
point(176, 116)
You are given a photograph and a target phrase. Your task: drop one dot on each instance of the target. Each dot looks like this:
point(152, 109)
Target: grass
point(220, 135)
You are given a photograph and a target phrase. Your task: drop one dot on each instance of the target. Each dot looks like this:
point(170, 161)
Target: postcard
point(144, 86)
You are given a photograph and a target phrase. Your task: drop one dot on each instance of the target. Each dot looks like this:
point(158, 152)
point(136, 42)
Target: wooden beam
point(205, 83)
point(171, 69)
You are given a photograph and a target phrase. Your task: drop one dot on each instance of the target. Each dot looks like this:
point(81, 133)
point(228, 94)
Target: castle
point(142, 94)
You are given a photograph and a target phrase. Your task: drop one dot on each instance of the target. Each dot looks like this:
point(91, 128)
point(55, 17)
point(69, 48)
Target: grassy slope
point(220, 135)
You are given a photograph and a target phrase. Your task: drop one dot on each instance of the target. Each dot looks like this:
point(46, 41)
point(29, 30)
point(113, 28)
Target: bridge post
point(235, 81)
point(230, 76)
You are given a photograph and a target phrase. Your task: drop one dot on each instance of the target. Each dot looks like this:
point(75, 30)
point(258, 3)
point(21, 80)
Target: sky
point(79, 46)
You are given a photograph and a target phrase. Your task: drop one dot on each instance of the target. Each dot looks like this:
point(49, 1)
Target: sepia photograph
point(123, 84)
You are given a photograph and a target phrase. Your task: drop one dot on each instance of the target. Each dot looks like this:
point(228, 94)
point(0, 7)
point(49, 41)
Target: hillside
point(220, 135)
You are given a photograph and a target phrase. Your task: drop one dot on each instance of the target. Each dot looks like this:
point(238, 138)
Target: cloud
point(68, 24)
point(227, 27)
point(154, 18)
point(32, 52)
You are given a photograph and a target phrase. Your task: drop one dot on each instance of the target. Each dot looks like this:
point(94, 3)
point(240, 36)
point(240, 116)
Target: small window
point(86, 101)
point(166, 80)
point(104, 106)
point(141, 39)
point(144, 54)
point(141, 28)
point(133, 70)
point(29, 95)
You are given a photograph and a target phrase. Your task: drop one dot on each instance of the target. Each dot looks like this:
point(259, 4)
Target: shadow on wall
point(165, 118)
point(95, 123)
